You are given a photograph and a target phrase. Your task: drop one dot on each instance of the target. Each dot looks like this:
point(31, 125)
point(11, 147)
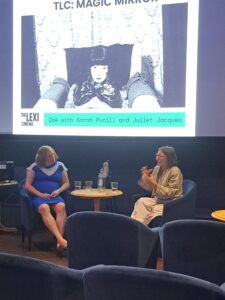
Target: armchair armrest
point(66, 196)
point(26, 207)
point(177, 209)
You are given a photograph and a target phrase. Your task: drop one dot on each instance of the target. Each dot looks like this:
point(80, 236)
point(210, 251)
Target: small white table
point(96, 195)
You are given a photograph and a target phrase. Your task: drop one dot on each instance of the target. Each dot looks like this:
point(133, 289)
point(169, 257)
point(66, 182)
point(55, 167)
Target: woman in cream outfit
point(164, 182)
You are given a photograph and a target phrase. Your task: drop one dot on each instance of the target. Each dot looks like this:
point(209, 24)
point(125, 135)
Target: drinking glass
point(77, 184)
point(88, 184)
point(114, 185)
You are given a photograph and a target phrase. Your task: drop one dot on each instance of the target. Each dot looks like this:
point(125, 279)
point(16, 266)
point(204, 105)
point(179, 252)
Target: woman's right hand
point(146, 171)
point(45, 196)
point(150, 180)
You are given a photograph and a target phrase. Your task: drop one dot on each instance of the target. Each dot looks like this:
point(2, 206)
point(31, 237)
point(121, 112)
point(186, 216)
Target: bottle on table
point(101, 180)
point(105, 169)
point(103, 175)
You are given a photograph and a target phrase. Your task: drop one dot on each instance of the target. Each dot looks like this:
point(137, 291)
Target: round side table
point(219, 215)
point(96, 195)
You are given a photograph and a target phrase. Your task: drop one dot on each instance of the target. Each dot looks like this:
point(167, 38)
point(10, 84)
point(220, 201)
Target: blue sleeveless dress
point(46, 180)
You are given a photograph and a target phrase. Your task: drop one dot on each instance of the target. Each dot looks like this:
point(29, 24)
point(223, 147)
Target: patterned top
point(105, 92)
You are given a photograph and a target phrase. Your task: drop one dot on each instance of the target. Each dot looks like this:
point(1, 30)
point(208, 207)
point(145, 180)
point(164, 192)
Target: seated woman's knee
point(44, 208)
point(140, 201)
point(60, 208)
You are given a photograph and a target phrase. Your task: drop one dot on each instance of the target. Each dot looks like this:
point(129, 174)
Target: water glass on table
point(114, 185)
point(88, 184)
point(77, 184)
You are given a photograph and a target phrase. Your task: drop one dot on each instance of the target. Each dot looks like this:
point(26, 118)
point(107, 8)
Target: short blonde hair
point(41, 155)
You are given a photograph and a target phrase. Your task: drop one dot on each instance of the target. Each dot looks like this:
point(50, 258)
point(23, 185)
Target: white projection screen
point(105, 67)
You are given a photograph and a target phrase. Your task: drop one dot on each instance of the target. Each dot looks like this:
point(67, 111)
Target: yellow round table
point(96, 195)
point(219, 214)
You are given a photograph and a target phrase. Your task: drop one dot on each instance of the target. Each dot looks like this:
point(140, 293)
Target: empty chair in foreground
point(195, 248)
point(23, 277)
point(120, 283)
point(111, 239)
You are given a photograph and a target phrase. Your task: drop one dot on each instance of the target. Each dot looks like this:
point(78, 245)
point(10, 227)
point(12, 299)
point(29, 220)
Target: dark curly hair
point(170, 154)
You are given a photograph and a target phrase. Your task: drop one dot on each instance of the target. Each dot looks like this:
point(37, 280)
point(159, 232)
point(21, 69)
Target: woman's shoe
point(61, 251)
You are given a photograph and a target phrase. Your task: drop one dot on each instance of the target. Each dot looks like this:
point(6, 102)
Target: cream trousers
point(146, 209)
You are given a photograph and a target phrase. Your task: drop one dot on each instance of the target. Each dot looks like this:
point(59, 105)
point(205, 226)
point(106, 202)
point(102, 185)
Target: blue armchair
point(195, 248)
point(108, 238)
point(120, 282)
point(30, 219)
point(24, 277)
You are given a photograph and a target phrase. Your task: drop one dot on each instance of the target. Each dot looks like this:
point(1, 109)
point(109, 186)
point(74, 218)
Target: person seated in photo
point(46, 179)
point(55, 97)
point(98, 91)
point(164, 182)
point(141, 92)
point(140, 95)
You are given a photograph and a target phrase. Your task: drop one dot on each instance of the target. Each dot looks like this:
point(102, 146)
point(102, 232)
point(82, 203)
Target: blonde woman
point(46, 179)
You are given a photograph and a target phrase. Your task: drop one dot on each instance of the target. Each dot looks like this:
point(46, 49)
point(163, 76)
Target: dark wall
point(200, 159)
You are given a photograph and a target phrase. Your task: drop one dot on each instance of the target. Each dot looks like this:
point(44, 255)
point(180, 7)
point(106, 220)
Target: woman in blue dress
point(46, 179)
